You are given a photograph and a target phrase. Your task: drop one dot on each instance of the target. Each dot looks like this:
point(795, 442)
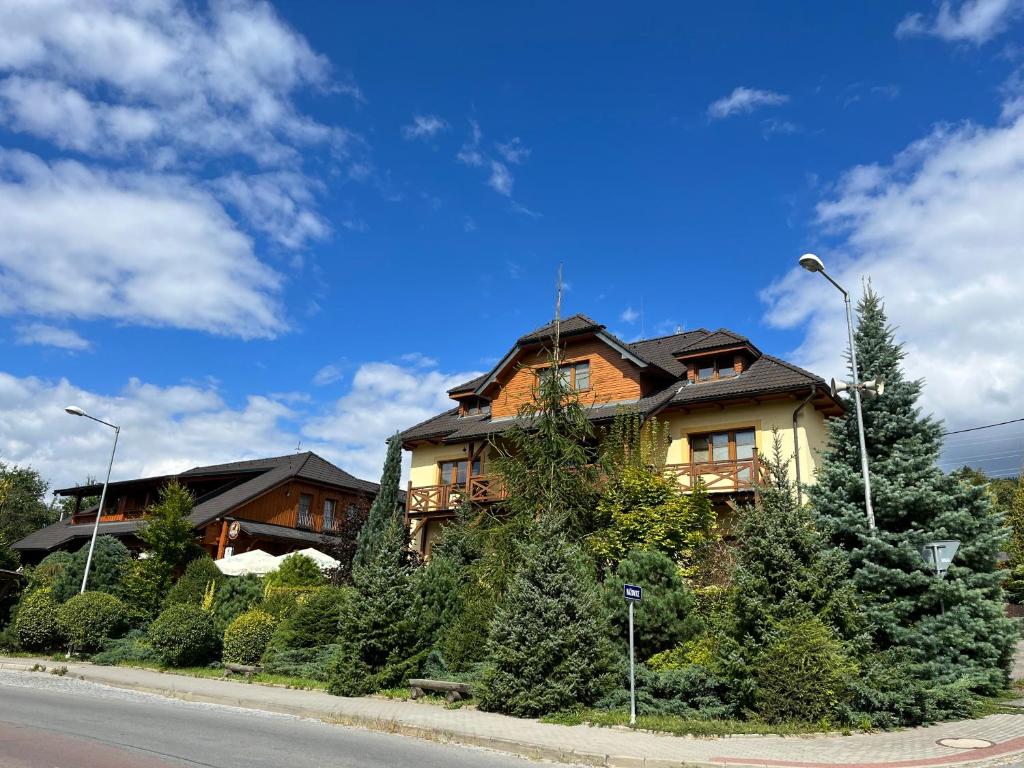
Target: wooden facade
point(612, 379)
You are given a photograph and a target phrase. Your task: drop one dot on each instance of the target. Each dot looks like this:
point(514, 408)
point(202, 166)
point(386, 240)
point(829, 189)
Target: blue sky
point(240, 226)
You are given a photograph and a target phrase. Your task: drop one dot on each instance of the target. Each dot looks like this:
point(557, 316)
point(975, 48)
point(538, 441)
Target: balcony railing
point(728, 476)
point(717, 476)
point(426, 499)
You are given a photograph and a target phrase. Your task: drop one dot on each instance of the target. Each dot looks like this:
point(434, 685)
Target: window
point(718, 368)
point(329, 521)
point(575, 375)
point(454, 472)
point(305, 511)
point(706, 372)
point(734, 445)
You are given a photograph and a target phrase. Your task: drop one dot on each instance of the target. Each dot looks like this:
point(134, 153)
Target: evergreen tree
point(970, 640)
point(167, 531)
point(111, 562)
point(384, 513)
point(1014, 522)
point(544, 460)
point(549, 647)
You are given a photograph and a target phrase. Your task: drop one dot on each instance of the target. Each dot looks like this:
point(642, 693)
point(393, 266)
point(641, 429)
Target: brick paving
point(912, 748)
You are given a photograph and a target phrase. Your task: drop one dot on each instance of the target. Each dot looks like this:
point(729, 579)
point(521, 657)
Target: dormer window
point(472, 406)
point(716, 368)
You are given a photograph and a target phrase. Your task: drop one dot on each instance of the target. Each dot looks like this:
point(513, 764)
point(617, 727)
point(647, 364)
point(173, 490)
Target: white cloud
point(384, 398)
point(166, 109)
point(629, 315)
point(975, 21)
point(513, 151)
point(744, 100)
point(939, 232)
point(424, 127)
point(328, 375)
point(50, 336)
point(133, 247)
point(501, 180)
point(470, 154)
point(166, 429)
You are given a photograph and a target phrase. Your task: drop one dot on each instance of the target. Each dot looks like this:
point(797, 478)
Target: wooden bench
point(452, 691)
point(241, 669)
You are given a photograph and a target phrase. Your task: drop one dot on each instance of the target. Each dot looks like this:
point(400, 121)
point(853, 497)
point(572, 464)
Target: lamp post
point(812, 263)
point(74, 410)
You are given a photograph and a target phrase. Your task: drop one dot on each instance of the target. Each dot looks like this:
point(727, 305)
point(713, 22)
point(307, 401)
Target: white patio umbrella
point(324, 561)
point(255, 561)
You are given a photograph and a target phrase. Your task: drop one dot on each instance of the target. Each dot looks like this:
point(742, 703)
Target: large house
point(278, 505)
point(719, 394)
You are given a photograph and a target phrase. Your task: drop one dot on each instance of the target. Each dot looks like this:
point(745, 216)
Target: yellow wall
point(425, 458)
point(811, 431)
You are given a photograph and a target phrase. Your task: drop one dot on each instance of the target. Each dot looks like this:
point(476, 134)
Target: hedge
point(246, 638)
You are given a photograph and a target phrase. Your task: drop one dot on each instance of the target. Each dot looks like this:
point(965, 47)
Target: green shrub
point(45, 575)
point(194, 582)
point(184, 635)
point(296, 570)
point(665, 617)
point(281, 602)
point(311, 663)
point(88, 619)
point(314, 621)
point(143, 589)
point(235, 596)
point(36, 624)
point(110, 563)
point(803, 673)
point(132, 648)
point(247, 637)
point(690, 691)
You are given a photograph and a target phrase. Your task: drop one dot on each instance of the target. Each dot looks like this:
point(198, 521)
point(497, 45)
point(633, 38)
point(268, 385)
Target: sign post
point(633, 594)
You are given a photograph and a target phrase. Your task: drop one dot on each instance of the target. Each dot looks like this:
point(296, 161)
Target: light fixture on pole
point(812, 263)
point(74, 410)
point(939, 556)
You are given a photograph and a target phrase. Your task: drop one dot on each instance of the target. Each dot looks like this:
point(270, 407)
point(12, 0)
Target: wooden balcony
point(430, 499)
point(718, 477)
point(728, 476)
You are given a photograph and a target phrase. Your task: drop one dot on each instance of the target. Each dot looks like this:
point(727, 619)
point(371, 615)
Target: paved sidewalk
point(914, 748)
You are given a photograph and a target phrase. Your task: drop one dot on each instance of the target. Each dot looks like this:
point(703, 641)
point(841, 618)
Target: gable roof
point(269, 473)
point(571, 326)
point(765, 375)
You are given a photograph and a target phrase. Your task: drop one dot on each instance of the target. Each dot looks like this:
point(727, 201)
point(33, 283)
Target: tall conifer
point(953, 629)
point(384, 515)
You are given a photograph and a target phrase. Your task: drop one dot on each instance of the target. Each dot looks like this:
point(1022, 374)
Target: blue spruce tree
point(943, 634)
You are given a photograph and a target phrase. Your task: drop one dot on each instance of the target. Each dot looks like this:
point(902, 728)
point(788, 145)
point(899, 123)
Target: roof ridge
point(670, 335)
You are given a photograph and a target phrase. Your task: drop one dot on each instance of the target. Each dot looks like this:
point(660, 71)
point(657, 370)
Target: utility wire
point(986, 426)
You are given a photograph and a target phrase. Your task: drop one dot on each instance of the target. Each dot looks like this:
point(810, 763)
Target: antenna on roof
point(558, 313)
point(298, 447)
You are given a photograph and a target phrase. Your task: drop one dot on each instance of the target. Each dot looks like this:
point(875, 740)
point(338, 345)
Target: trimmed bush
point(247, 637)
point(143, 589)
point(803, 673)
point(691, 691)
point(44, 575)
point(191, 587)
point(132, 648)
point(184, 635)
point(296, 570)
point(37, 621)
point(88, 619)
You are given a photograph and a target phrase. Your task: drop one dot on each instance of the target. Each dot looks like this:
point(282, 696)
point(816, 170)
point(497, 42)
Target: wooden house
point(719, 394)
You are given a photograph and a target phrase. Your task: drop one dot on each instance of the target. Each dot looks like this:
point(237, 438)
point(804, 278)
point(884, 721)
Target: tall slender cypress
point(385, 515)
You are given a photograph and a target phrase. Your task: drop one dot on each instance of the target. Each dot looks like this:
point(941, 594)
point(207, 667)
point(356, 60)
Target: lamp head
point(811, 263)
point(74, 410)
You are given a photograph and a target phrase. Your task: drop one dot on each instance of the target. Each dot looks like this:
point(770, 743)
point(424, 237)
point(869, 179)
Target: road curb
point(511, 746)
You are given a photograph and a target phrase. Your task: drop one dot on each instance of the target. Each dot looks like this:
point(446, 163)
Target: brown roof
point(257, 477)
point(766, 375)
point(571, 326)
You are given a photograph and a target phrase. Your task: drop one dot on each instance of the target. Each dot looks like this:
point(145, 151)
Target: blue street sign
point(632, 593)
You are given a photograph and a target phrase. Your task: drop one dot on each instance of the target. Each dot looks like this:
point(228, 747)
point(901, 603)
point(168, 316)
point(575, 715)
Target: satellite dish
point(939, 555)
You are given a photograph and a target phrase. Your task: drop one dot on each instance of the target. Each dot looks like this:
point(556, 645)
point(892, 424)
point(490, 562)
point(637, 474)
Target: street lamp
point(74, 410)
point(812, 263)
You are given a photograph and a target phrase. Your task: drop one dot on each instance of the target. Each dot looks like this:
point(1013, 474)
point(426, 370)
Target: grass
point(681, 726)
point(402, 693)
point(217, 673)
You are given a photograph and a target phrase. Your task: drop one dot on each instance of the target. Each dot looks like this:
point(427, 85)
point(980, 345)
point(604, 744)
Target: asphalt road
point(52, 722)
